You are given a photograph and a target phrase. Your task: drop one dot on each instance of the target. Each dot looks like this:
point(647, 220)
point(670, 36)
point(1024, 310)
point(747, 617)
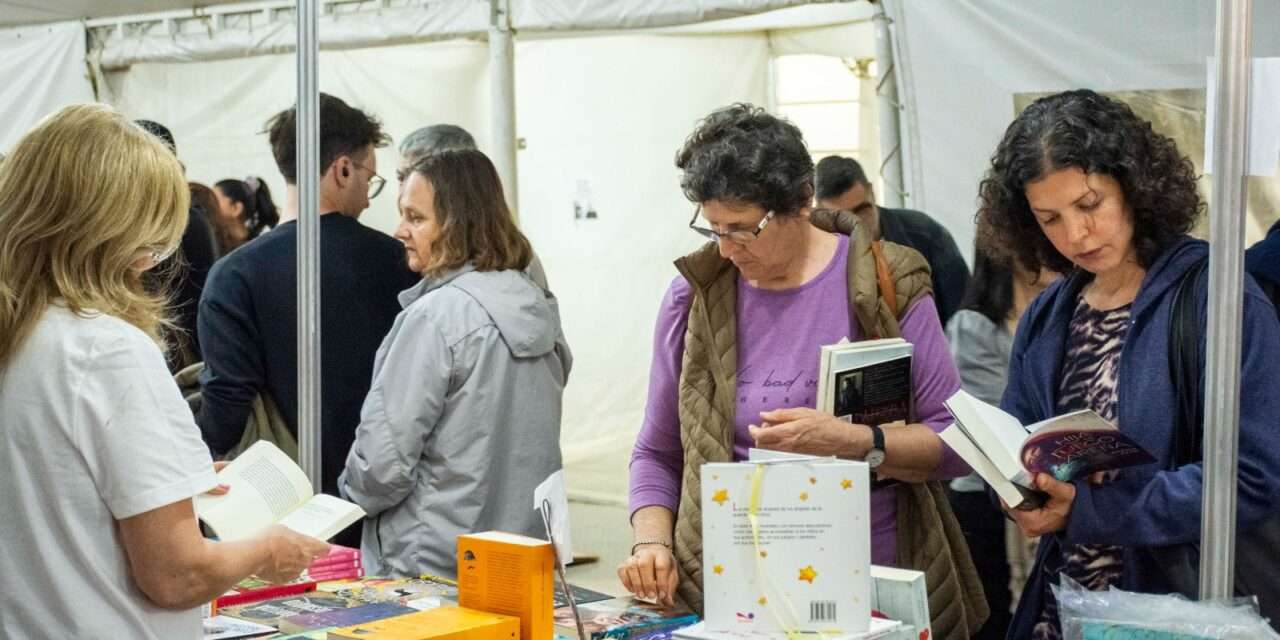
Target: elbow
point(172, 587)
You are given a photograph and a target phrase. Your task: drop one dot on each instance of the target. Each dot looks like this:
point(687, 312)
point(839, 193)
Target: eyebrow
point(1090, 190)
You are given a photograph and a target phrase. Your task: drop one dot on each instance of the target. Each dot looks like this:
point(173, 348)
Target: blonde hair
point(81, 196)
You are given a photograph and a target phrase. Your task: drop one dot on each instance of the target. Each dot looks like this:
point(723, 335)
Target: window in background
point(824, 96)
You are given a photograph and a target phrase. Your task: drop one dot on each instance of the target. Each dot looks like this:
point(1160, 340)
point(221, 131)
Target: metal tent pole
point(308, 167)
point(502, 99)
point(887, 94)
point(1226, 265)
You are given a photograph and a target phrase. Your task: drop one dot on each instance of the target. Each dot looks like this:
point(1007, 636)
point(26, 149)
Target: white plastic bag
point(1124, 615)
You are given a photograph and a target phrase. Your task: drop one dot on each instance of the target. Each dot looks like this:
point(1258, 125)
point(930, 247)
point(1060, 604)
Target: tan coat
point(929, 538)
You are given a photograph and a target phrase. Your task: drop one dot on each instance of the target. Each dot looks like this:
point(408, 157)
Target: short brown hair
point(344, 130)
point(475, 223)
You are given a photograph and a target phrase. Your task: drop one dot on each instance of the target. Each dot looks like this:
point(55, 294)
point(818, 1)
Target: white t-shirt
point(92, 430)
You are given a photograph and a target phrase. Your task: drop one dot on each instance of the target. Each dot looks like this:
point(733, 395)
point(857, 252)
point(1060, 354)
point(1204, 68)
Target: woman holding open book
point(1082, 185)
point(463, 419)
point(736, 363)
point(99, 454)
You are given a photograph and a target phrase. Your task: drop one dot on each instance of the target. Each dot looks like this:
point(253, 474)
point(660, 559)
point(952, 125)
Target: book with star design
point(786, 545)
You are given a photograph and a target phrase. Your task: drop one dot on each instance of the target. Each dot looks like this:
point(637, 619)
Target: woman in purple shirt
point(751, 177)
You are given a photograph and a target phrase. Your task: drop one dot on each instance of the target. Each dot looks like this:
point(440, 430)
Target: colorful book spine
point(341, 574)
point(263, 593)
point(335, 565)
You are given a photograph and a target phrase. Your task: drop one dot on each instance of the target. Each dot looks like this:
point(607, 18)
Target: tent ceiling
point(18, 12)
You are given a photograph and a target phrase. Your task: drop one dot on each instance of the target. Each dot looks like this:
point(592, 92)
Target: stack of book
point(342, 563)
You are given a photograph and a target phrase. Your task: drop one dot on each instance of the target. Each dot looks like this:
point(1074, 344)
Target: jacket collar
point(427, 285)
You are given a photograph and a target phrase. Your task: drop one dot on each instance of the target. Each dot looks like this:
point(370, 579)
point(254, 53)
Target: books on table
point(510, 574)
point(1008, 455)
point(866, 382)
point(901, 594)
point(622, 619)
point(804, 564)
point(877, 629)
point(269, 488)
point(228, 628)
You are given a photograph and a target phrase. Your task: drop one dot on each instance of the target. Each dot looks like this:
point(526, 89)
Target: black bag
point(1257, 571)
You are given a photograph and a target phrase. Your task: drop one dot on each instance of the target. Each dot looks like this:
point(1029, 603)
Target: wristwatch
point(875, 457)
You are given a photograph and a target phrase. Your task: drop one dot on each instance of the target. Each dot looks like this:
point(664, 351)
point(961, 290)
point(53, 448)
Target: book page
point(955, 438)
point(1083, 420)
point(996, 433)
point(265, 486)
point(323, 516)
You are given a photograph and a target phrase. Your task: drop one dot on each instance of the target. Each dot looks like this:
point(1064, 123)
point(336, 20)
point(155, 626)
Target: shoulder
point(448, 311)
point(90, 340)
point(967, 322)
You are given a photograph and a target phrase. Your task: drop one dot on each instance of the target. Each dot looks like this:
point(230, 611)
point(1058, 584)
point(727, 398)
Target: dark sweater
point(196, 254)
point(249, 333)
point(920, 232)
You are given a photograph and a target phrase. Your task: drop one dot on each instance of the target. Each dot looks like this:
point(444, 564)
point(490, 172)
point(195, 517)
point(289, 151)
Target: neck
point(1116, 287)
point(811, 250)
point(292, 204)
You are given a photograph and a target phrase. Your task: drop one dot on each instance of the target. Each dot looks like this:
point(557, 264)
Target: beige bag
point(264, 423)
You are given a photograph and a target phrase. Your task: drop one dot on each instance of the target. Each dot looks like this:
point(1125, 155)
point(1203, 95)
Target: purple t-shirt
point(780, 337)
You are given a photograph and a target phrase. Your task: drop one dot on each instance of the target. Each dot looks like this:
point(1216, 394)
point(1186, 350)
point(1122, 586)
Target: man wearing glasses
point(248, 313)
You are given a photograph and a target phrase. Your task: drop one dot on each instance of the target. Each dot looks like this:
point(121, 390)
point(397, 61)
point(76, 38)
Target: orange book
point(445, 623)
point(508, 574)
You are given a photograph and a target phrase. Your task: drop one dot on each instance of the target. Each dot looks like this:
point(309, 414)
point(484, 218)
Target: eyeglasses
point(376, 182)
point(736, 237)
point(158, 253)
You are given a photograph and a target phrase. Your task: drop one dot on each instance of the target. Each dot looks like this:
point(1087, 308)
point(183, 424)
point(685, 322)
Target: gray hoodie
point(462, 420)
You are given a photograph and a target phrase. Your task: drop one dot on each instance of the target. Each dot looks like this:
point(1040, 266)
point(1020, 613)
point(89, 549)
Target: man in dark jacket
point(1262, 261)
point(842, 185)
point(249, 316)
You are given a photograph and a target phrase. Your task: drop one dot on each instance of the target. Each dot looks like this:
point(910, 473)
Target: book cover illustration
point(805, 565)
point(409, 592)
point(875, 394)
point(623, 619)
point(581, 596)
point(273, 612)
point(228, 628)
point(1070, 450)
point(343, 617)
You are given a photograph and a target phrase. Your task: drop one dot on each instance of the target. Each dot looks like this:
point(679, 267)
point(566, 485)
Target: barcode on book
point(822, 611)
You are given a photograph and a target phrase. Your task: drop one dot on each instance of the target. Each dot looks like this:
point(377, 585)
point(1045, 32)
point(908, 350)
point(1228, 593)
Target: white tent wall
point(963, 63)
point(42, 69)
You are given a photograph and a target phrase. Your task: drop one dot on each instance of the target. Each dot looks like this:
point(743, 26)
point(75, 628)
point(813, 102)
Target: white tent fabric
point(962, 63)
point(42, 69)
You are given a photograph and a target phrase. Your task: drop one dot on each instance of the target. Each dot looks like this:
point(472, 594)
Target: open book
point(1008, 455)
point(866, 382)
point(268, 488)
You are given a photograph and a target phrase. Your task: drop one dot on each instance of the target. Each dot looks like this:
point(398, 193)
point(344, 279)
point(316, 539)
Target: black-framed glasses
point(737, 237)
point(376, 182)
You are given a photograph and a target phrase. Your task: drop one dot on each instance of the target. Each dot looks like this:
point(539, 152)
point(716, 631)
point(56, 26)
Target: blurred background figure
point(245, 211)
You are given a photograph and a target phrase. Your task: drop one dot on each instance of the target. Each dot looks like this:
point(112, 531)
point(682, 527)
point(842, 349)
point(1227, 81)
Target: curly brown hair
point(1096, 134)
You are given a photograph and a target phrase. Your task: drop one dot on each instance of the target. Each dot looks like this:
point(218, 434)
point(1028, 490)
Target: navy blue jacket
point(947, 268)
point(248, 325)
point(1146, 506)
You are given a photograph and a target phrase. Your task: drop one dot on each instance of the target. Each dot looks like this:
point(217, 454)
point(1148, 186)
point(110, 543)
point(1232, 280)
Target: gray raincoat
point(462, 420)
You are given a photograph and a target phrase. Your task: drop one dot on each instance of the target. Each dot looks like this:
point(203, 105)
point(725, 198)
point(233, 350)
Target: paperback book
point(1008, 455)
point(269, 488)
point(866, 382)
point(622, 619)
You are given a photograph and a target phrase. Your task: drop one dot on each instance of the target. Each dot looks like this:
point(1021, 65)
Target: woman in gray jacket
point(463, 417)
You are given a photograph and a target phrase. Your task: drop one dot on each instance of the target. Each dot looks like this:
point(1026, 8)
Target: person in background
point(99, 457)
point(188, 269)
point(1082, 185)
point(843, 186)
point(245, 211)
point(435, 138)
point(1262, 261)
point(249, 316)
point(205, 203)
point(776, 278)
point(463, 418)
point(981, 336)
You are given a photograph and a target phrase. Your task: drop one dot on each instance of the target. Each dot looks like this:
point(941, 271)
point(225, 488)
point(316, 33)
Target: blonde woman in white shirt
point(99, 454)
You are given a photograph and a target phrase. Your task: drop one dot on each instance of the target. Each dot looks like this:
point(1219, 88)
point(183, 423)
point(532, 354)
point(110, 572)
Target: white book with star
point(805, 563)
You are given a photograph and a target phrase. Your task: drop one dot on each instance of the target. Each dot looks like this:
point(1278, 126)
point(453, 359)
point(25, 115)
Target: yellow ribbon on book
point(787, 621)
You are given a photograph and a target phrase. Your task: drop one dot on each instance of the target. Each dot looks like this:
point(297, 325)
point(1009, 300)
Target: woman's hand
point(812, 432)
point(289, 553)
point(221, 489)
point(1054, 515)
point(651, 573)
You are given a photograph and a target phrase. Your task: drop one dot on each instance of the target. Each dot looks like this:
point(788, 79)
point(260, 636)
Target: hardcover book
point(786, 545)
point(866, 382)
point(447, 623)
point(622, 619)
point(1008, 455)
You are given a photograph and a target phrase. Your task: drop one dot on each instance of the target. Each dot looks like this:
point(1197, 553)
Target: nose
point(727, 247)
point(402, 232)
point(1078, 226)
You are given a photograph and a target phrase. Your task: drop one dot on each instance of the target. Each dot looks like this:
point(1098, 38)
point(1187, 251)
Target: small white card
point(806, 565)
point(552, 491)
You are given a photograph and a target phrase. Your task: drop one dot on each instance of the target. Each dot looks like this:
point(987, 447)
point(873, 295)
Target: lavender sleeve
point(935, 378)
point(658, 458)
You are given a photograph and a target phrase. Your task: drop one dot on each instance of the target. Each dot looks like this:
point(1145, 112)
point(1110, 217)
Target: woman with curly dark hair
point(736, 355)
point(1084, 186)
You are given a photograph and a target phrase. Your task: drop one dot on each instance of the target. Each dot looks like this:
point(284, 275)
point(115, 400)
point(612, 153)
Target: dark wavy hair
point(1096, 134)
point(741, 154)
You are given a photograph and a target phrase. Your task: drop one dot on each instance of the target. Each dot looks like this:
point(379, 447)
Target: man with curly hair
point(842, 185)
point(1082, 185)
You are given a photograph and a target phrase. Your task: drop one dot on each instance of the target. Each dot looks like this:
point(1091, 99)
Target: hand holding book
point(1050, 517)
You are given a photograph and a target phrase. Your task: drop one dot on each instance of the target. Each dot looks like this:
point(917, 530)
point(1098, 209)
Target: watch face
point(874, 458)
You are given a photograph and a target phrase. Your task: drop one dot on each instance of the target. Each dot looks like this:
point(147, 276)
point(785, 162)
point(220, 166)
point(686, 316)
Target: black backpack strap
point(1185, 366)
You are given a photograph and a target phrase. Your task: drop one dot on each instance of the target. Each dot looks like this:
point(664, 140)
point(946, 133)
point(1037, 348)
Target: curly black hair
point(1096, 134)
point(741, 154)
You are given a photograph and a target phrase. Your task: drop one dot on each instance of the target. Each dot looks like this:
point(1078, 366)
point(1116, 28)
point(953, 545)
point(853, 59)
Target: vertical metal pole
point(1226, 265)
point(308, 158)
point(502, 98)
point(887, 93)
